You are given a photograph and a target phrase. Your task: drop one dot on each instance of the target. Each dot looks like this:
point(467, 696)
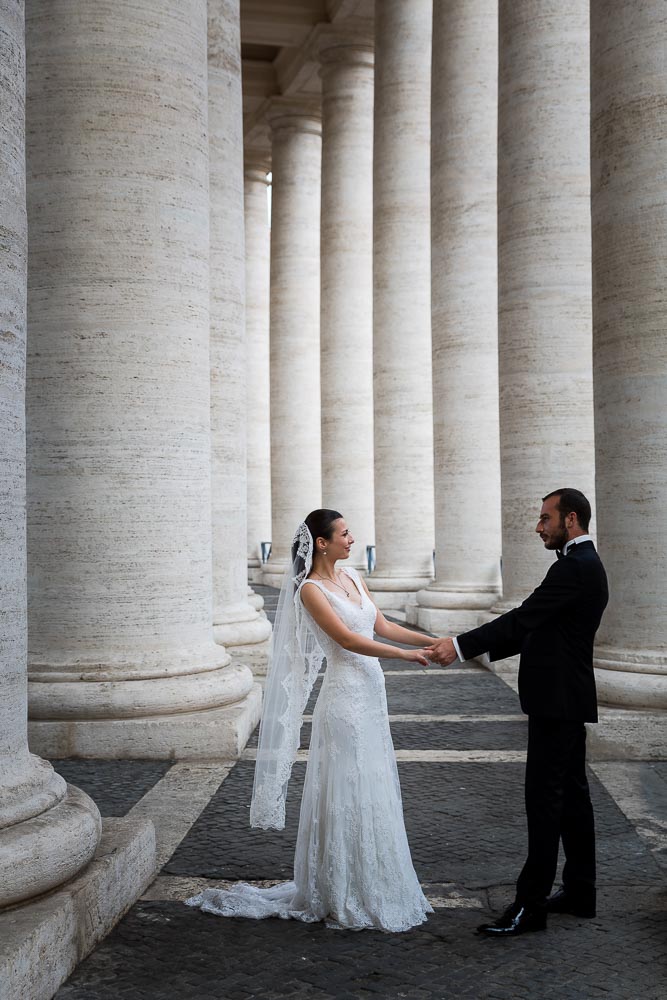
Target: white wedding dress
point(352, 865)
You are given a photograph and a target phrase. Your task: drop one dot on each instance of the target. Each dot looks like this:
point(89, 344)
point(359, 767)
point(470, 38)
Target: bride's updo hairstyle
point(320, 525)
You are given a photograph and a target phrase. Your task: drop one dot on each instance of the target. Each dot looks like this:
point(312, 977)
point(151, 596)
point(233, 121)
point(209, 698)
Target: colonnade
point(515, 349)
point(142, 631)
point(444, 333)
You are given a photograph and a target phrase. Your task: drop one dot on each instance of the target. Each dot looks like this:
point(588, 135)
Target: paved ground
point(459, 738)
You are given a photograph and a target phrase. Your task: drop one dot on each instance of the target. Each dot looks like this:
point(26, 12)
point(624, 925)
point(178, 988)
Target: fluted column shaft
point(629, 212)
point(237, 624)
point(544, 277)
point(347, 287)
point(119, 419)
point(48, 830)
point(296, 481)
point(257, 270)
point(403, 405)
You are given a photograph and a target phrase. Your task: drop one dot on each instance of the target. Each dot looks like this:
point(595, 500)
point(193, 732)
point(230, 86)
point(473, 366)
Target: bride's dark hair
point(320, 525)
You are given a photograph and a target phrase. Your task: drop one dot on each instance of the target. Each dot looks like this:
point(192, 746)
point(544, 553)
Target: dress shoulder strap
point(316, 583)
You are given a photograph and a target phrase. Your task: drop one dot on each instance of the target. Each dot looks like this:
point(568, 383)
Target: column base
point(396, 595)
point(152, 685)
point(620, 734)
point(246, 638)
point(445, 621)
point(215, 732)
point(43, 852)
point(255, 601)
point(41, 942)
point(628, 678)
point(623, 734)
point(450, 612)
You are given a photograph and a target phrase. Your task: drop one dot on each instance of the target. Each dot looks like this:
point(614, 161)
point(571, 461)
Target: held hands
point(442, 651)
point(415, 656)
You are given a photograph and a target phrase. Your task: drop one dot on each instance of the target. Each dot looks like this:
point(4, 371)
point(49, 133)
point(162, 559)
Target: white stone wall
point(402, 386)
point(629, 210)
point(296, 477)
point(464, 309)
point(347, 286)
point(236, 622)
point(258, 419)
point(48, 831)
point(119, 494)
point(544, 273)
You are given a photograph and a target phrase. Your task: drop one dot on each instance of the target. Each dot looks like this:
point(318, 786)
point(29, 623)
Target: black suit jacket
point(553, 630)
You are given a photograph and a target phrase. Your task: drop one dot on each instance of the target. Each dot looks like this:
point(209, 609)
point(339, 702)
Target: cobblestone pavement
point(465, 823)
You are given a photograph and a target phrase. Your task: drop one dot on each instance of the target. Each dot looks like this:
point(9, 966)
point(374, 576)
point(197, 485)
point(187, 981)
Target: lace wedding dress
point(352, 865)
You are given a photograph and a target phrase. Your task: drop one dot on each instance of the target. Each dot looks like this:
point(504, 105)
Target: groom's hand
point(442, 651)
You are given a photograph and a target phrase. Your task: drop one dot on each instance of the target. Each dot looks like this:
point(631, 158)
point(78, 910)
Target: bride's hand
point(415, 656)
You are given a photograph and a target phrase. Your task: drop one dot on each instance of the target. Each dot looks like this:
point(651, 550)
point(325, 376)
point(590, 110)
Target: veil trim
point(295, 660)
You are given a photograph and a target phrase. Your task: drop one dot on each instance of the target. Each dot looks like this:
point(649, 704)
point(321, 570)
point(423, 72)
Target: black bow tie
point(559, 554)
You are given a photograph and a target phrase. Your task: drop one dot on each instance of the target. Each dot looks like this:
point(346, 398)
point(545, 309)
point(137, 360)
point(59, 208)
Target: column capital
point(257, 163)
point(348, 47)
point(294, 115)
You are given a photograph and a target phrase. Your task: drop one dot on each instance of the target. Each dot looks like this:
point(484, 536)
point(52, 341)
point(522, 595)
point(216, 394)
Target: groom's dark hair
point(572, 502)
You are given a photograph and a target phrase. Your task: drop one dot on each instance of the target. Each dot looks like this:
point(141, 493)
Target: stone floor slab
point(465, 824)
point(114, 785)
point(163, 950)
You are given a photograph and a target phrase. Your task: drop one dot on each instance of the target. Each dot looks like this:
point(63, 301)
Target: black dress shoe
point(515, 920)
point(564, 902)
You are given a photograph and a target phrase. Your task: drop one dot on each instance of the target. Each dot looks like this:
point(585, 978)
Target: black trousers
point(558, 807)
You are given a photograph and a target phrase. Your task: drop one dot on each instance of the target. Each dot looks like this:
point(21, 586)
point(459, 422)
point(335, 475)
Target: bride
point(352, 865)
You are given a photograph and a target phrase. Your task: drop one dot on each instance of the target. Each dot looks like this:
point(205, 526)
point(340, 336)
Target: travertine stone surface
point(464, 315)
point(48, 831)
point(257, 265)
point(544, 275)
point(347, 285)
point(404, 531)
point(42, 941)
point(296, 480)
point(235, 621)
point(629, 212)
point(119, 510)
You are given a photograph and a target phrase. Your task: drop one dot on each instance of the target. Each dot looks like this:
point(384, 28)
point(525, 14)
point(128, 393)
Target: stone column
point(347, 285)
point(404, 531)
point(464, 313)
point(296, 481)
point(122, 656)
point(48, 830)
point(629, 211)
point(236, 623)
point(257, 270)
point(544, 276)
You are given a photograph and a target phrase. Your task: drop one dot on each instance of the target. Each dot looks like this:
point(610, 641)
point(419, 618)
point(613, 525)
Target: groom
point(553, 630)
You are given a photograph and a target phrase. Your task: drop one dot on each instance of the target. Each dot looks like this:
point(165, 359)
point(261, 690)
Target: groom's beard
point(558, 538)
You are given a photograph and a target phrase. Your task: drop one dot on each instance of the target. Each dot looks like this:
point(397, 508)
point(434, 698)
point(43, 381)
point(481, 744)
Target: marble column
point(236, 623)
point(629, 213)
point(404, 529)
point(347, 285)
point(296, 480)
point(544, 273)
point(122, 656)
point(257, 272)
point(48, 830)
point(464, 316)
